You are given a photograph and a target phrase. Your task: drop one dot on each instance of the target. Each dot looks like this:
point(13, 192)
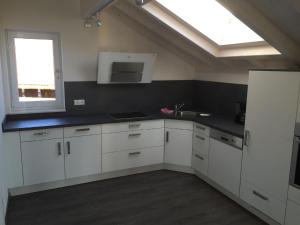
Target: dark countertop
point(222, 123)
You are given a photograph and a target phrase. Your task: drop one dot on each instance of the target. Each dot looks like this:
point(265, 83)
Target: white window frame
point(35, 106)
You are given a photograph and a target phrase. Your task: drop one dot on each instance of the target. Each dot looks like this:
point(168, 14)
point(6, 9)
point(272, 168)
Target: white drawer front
point(81, 131)
point(132, 126)
point(114, 142)
point(260, 200)
point(201, 129)
point(200, 163)
point(178, 124)
point(201, 143)
point(43, 134)
point(132, 158)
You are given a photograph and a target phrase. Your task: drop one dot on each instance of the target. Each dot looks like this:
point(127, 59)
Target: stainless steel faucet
point(178, 107)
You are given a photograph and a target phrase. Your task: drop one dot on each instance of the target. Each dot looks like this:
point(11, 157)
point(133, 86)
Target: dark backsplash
point(217, 98)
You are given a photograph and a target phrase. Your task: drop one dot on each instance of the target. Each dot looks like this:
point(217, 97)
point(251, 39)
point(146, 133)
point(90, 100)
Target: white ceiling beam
point(91, 7)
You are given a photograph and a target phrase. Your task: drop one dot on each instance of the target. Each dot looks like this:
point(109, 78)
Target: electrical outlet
point(79, 102)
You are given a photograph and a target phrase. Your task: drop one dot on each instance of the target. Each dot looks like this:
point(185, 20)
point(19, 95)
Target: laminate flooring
point(153, 198)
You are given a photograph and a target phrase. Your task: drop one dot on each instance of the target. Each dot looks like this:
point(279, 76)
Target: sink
point(192, 114)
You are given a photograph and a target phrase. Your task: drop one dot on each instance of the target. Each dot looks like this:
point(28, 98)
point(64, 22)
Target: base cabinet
point(178, 146)
point(114, 161)
point(200, 163)
point(263, 201)
point(292, 213)
point(43, 161)
point(82, 156)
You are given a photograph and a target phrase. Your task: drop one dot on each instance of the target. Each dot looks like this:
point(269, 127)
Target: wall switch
point(79, 102)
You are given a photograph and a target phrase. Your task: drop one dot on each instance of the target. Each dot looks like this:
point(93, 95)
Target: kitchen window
point(36, 80)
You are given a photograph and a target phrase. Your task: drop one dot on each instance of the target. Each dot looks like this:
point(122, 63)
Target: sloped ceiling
point(287, 33)
point(284, 13)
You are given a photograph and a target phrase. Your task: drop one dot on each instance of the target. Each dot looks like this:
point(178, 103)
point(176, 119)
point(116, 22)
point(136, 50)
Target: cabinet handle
point(199, 157)
point(43, 133)
point(134, 153)
point(83, 129)
point(201, 138)
point(246, 138)
point(134, 135)
point(136, 125)
point(68, 148)
point(167, 136)
point(59, 148)
point(260, 196)
point(199, 127)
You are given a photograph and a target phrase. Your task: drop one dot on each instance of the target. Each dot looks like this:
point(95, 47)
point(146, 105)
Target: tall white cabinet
point(270, 120)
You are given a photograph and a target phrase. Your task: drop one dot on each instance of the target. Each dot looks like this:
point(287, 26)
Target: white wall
point(80, 45)
point(233, 77)
point(3, 186)
point(116, 35)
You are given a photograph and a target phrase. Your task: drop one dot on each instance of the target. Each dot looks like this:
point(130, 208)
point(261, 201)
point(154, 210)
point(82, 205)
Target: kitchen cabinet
point(270, 121)
point(127, 159)
point(48, 156)
point(82, 156)
point(178, 142)
point(119, 141)
point(131, 145)
point(292, 213)
point(82, 147)
point(43, 161)
point(13, 159)
point(200, 148)
point(225, 164)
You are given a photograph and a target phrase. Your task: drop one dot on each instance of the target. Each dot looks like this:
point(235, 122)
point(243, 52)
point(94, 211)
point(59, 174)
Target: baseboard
point(177, 168)
point(82, 180)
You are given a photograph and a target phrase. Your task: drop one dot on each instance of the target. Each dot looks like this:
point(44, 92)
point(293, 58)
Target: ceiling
point(284, 13)
point(276, 23)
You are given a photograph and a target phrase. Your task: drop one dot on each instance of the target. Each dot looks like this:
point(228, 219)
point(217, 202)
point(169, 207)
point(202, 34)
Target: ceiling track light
point(140, 2)
point(93, 20)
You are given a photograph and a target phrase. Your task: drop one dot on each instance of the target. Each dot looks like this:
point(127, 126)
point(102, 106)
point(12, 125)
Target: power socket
point(79, 102)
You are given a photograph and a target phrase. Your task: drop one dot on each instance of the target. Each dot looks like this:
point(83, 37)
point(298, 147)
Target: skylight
point(213, 20)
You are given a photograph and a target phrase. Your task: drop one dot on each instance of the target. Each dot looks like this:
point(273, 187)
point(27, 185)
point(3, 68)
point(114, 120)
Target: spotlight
point(98, 23)
point(140, 2)
point(88, 23)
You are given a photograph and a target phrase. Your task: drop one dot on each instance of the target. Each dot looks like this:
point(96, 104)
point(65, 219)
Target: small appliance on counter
point(240, 112)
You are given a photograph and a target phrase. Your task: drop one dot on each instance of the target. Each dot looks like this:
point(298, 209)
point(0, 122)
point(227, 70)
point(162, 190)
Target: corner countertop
point(11, 124)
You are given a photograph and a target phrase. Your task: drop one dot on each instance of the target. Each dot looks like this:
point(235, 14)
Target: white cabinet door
point(292, 213)
point(225, 165)
point(82, 156)
point(43, 161)
point(270, 120)
point(178, 147)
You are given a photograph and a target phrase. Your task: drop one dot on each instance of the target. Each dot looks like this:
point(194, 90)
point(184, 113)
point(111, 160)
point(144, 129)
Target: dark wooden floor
point(155, 198)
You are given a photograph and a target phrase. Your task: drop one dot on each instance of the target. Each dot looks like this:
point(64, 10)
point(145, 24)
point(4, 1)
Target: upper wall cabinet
point(270, 121)
point(118, 67)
